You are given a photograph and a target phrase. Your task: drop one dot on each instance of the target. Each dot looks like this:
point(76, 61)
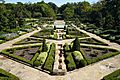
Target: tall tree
point(68, 13)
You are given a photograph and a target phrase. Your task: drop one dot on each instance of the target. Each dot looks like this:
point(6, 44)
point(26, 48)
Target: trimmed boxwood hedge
point(79, 60)
point(38, 62)
point(16, 57)
point(70, 64)
point(34, 58)
point(66, 47)
point(113, 76)
point(41, 59)
point(55, 36)
point(48, 65)
point(105, 56)
point(7, 76)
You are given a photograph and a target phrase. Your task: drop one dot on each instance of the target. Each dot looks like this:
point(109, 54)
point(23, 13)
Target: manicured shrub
point(34, 58)
point(55, 35)
point(79, 60)
point(82, 63)
point(37, 63)
point(76, 45)
point(67, 31)
point(42, 57)
point(44, 46)
point(1, 41)
point(48, 65)
point(70, 62)
point(78, 56)
point(63, 37)
point(66, 47)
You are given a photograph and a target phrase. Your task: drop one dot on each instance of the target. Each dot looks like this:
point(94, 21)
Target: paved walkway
point(91, 72)
point(57, 64)
point(9, 44)
point(111, 44)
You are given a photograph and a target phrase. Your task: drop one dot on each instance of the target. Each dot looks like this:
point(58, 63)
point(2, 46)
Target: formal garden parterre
point(76, 54)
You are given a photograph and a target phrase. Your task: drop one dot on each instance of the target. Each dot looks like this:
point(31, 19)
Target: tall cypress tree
point(76, 45)
point(44, 46)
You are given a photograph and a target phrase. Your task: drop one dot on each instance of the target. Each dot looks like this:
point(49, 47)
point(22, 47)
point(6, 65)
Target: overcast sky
point(57, 2)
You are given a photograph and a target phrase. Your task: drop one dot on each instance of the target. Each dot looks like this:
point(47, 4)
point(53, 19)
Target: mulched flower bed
point(91, 52)
point(26, 53)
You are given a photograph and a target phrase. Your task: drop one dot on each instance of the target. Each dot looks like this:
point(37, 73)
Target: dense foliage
point(105, 14)
point(12, 15)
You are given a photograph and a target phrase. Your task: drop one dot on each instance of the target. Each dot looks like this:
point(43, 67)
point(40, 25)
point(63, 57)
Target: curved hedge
point(105, 56)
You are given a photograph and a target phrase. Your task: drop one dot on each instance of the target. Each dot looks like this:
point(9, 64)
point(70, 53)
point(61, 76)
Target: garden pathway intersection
point(94, 71)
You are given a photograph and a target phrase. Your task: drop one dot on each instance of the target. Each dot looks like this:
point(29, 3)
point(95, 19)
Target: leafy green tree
point(54, 6)
point(21, 22)
point(46, 10)
point(109, 21)
point(68, 13)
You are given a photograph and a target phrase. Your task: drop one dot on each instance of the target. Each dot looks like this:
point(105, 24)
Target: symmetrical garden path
point(111, 44)
point(10, 43)
point(91, 72)
point(56, 69)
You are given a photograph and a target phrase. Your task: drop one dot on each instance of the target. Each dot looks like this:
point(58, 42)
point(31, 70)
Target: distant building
point(60, 17)
point(59, 24)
